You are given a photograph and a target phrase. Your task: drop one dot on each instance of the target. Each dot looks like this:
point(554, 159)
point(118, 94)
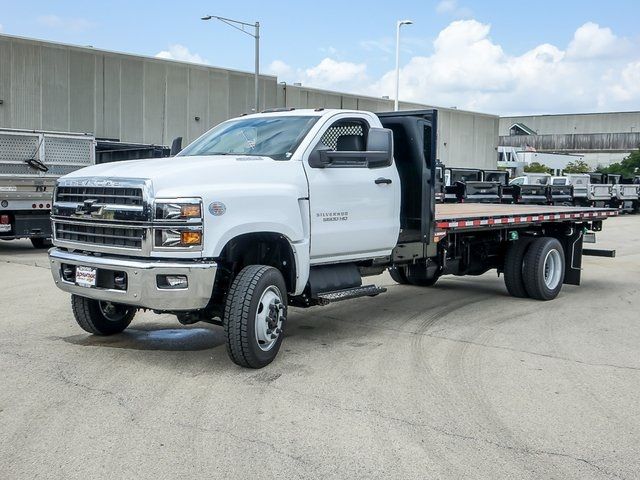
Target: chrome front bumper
point(141, 290)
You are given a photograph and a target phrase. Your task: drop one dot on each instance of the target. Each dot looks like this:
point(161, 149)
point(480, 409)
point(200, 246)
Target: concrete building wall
point(613, 122)
point(51, 86)
point(126, 97)
point(603, 138)
point(294, 96)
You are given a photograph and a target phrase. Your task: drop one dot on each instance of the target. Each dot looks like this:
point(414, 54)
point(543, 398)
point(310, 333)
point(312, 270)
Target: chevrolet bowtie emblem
point(89, 207)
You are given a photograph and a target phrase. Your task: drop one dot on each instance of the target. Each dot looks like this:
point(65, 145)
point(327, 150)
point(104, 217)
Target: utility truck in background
point(30, 163)
point(291, 208)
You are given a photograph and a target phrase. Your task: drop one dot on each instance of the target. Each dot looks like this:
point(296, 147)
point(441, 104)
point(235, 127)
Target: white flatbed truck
point(290, 208)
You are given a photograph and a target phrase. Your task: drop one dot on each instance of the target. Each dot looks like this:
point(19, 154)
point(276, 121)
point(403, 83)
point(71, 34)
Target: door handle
point(381, 180)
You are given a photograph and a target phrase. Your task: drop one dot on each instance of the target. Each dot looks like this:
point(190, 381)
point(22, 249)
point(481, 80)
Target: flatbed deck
point(474, 215)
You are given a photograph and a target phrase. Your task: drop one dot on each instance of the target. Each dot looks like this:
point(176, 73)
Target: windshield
point(275, 137)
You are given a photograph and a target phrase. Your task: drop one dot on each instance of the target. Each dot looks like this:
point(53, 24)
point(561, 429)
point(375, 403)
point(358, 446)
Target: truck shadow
point(153, 337)
point(19, 247)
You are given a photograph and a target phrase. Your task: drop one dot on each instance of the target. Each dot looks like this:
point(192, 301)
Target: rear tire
point(513, 267)
point(101, 318)
point(399, 275)
point(420, 276)
point(40, 243)
point(255, 315)
point(544, 268)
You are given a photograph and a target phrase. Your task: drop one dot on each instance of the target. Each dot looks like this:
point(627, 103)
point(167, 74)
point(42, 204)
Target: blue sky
point(495, 56)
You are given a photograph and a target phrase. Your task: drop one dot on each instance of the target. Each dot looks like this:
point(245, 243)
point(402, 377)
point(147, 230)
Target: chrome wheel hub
point(552, 269)
point(269, 317)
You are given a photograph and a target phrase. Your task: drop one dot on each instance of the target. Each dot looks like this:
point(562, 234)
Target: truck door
point(354, 209)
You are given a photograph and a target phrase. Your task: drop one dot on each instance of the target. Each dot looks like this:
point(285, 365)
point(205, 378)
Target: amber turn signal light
point(191, 238)
point(190, 211)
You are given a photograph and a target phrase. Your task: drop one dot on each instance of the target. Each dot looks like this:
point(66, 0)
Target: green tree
point(629, 167)
point(535, 167)
point(579, 166)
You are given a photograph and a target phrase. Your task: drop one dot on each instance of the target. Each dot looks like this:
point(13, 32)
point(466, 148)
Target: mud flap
point(572, 245)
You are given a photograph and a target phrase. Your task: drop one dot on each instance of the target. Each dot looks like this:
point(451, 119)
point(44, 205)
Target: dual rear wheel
point(534, 267)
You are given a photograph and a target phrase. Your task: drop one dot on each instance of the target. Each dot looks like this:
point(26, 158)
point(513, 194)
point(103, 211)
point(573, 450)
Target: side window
point(349, 135)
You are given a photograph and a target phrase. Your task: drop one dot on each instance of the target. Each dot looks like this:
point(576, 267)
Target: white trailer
point(30, 164)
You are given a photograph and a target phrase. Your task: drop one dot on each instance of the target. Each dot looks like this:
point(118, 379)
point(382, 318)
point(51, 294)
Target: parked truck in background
point(290, 208)
point(30, 163)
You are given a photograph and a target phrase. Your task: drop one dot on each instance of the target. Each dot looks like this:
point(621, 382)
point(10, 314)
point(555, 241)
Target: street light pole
point(238, 25)
point(257, 70)
point(398, 25)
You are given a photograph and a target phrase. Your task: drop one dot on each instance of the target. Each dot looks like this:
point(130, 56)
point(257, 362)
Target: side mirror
point(379, 153)
point(176, 146)
point(318, 158)
point(379, 147)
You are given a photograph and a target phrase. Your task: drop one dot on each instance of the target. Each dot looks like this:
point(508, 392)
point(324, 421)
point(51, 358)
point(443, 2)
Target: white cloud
point(596, 71)
point(1, 27)
point(593, 41)
point(182, 53)
point(329, 73)
point(627, 89)
point(467, 69)
point(280, 69)
point(70, 24)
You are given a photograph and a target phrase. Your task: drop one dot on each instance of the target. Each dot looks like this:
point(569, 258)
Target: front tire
point(543, 270)
point(101, 318)
point(255, 315)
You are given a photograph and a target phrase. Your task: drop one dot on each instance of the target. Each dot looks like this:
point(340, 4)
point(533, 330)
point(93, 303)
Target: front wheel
point(101, 318)
point(254, 316)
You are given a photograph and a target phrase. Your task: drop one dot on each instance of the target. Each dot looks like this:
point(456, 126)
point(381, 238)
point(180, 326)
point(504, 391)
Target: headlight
point(178, 223)
point(173, 237)
point(179, 210)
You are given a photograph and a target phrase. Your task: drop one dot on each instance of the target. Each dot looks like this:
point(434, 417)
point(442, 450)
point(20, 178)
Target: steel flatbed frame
point(464, 216)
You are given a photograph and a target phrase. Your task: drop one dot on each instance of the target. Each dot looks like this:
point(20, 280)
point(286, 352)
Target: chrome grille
point(103, 195)
point(103, 215)
point(105, 235)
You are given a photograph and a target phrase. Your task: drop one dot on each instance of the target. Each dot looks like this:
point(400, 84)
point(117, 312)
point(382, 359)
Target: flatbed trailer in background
point(30, 164)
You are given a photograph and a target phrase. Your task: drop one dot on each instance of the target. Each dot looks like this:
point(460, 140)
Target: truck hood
point(189, 175)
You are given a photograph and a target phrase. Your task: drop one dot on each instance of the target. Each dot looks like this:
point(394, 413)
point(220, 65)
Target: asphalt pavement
point(451, 382)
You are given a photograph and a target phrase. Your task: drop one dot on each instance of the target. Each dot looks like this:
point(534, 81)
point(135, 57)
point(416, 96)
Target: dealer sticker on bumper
point(85, 276)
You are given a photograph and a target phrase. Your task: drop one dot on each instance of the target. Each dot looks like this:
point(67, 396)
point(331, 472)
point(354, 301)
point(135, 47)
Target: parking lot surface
point(455, 381)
